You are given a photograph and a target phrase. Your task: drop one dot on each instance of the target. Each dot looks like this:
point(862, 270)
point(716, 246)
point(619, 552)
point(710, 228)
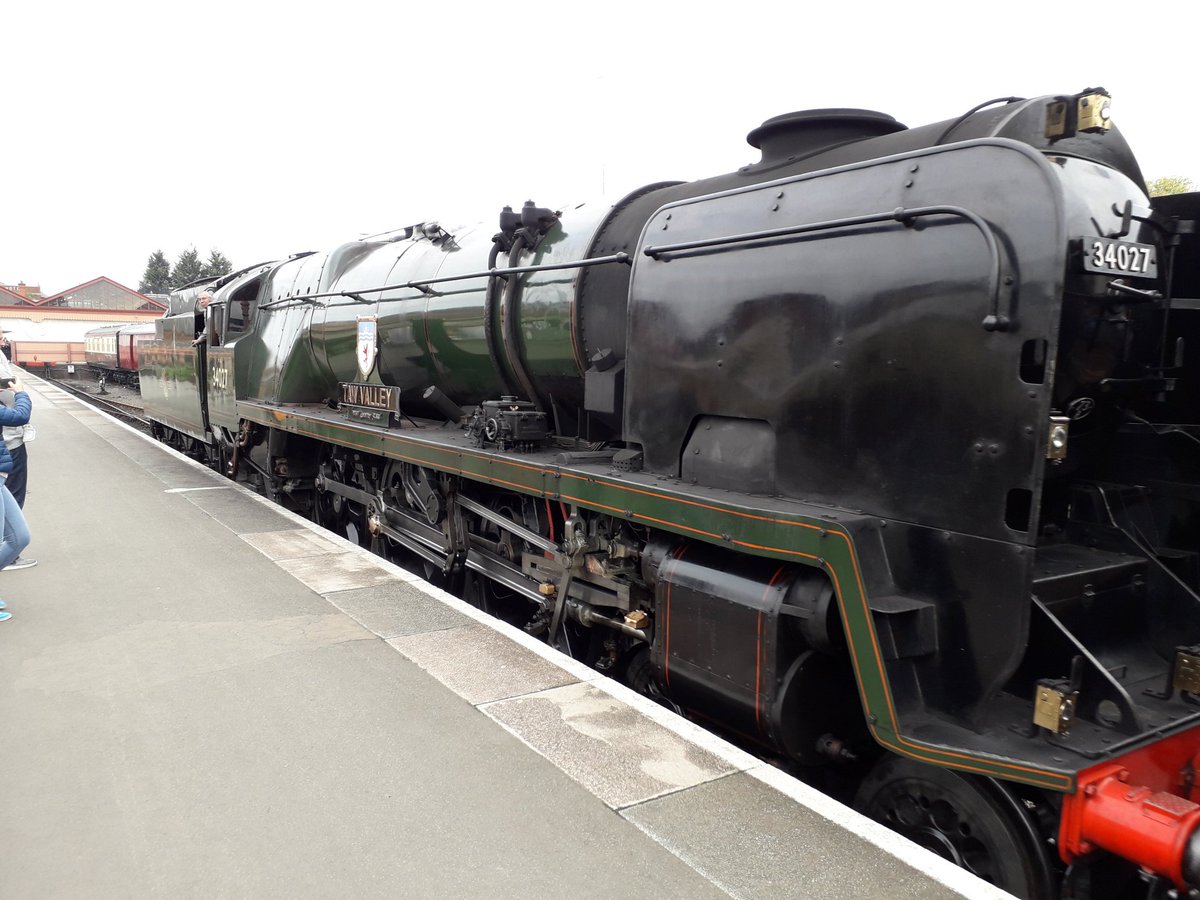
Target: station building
point(47, 332)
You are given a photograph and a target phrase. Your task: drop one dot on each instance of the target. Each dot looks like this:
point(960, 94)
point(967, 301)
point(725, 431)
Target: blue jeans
point(12, 527)
point(18, 477)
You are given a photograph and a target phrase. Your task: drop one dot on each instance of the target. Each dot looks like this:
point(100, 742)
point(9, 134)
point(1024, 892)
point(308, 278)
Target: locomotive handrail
point(425, 282)
point(994, 321)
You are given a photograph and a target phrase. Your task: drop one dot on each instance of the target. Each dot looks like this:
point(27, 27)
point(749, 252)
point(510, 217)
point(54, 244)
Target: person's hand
point(17, 386)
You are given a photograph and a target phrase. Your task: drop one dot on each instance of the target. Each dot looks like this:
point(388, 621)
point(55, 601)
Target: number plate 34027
point(1120, 257)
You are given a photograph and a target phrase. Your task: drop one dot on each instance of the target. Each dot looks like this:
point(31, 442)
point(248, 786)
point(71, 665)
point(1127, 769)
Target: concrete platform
point(202, 695)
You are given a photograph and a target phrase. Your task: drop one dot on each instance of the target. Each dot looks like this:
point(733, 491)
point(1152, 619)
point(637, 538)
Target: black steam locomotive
point(880, 453)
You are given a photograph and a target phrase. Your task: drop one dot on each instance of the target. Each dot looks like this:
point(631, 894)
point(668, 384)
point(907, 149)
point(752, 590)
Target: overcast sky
point(262, 129)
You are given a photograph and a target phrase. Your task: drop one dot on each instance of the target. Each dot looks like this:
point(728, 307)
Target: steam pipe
point(587, 615)
point(491, 315)
point(1156, 830)
point(508, 326)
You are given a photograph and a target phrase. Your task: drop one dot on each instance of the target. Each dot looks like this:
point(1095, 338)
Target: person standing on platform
point(14, 441)
point(14, 532)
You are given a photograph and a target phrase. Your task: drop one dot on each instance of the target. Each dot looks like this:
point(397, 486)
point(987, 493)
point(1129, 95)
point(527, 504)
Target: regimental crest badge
point(367, 347)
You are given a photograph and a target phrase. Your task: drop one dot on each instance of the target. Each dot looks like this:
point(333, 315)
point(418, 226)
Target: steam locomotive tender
point(880, 452)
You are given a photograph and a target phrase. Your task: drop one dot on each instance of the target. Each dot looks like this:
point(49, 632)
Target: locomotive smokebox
point(798, 134)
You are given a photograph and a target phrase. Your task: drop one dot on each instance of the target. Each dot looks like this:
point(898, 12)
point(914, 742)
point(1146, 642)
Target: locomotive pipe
point(447, 407)
point(239, 444)
point(234, 462)
point(491, 313)
point(587, 615)
point(1156, 830)
point(508, 324)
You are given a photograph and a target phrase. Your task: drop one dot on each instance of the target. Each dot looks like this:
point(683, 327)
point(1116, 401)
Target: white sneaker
point(21, 562)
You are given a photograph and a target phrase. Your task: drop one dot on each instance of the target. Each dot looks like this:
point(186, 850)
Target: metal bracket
point(1183, 676)
point(1054, 707)
point(1117, 286)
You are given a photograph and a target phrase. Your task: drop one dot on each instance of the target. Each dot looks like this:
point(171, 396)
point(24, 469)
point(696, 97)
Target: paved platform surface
point(202, 695)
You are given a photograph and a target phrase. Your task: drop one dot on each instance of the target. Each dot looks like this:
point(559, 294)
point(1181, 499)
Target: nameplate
point(370, 404)
point(370, 396)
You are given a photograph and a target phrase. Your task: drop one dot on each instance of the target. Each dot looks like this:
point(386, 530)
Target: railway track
point(123, 402)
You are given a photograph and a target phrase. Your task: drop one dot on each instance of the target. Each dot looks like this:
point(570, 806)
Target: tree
point(218, 264)
point(157, 277)
point(1170, 184)
point(187, 268)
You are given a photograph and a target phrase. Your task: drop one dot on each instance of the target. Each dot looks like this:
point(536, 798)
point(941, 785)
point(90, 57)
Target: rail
point(120, 408)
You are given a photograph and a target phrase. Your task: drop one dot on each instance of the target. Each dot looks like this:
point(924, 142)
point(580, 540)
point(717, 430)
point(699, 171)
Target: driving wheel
point(976, 823)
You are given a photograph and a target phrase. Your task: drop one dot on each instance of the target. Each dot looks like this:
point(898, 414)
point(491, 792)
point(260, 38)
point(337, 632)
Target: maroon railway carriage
point(112, 350)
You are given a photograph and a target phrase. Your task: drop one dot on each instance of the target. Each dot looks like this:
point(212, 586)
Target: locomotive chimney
point(798, 134)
